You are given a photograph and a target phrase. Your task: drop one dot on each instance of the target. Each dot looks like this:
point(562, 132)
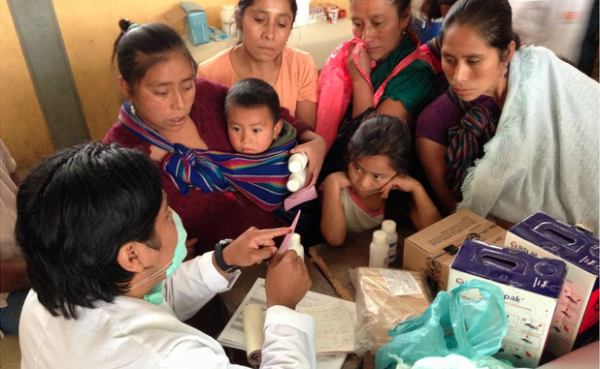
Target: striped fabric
point(261, 177)
point(466, 140)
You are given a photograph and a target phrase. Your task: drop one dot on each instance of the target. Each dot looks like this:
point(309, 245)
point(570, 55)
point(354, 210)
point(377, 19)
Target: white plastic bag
point(460, 362)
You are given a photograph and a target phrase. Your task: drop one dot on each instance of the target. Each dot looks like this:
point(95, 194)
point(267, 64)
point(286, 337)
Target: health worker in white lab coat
point(109, 290)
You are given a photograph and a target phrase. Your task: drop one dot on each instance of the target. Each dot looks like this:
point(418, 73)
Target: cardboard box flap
point(446, 236)
point(570, 243)
point(190, 7)
point(518, 269)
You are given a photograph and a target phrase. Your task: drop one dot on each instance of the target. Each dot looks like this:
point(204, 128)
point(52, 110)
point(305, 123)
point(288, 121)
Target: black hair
point(75, 211)
point(140, 47)
point(400, 5)
point(253, 93)
point(382, 135)
point(243, 4)
point(241, 9)
point(492, 19)
point(432, 9)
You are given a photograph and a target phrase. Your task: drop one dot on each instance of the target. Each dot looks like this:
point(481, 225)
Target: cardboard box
point(195, 23)
point(531, 287)
point(432, 250)
point(577, 310)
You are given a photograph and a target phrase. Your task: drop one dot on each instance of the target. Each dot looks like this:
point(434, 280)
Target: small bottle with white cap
point(296, 180)
point(296, 246)
point(297, 162)
point(389, 227)
point(378, 252)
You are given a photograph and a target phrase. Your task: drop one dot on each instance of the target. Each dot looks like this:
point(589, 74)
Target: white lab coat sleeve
point(289, 343)
point(195, 283)
point(192, 354)
point(289, 340)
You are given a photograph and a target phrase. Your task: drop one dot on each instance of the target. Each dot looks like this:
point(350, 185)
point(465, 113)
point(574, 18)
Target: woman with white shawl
point(540, 154)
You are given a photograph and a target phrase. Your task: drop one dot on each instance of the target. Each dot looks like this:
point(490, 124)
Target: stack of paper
point(335, 319)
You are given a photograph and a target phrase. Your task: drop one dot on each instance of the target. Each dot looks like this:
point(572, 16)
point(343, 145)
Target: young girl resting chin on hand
point(378, 159)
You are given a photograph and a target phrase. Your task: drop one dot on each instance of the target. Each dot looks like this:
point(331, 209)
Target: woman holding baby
point(171, 116)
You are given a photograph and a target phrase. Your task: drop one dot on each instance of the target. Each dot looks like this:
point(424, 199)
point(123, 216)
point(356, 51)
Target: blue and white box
point(195, 23)
point(531, 287)
point(577, 310)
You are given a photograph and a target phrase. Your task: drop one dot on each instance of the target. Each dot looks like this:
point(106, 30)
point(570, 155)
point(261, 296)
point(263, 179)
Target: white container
point(303, 13)
point(531, 287)
point(378, 252)
point(297, 162)
point(228, 20)
point(333, 13)
point(297, 180)
point(389, 227)
point(577, 310)
point(296, 246)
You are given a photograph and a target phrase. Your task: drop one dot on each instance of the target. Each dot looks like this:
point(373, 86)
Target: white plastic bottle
point(297, 162)
point(302, 14)
point(389, 227)
point(296, 180)
point(228, 20)
point(378, 253)
point(296, 246)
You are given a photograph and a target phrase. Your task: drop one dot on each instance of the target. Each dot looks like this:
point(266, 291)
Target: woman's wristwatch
point(219, 256)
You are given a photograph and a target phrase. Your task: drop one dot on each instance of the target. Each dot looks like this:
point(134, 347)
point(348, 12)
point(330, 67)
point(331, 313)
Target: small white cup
point(332, 12)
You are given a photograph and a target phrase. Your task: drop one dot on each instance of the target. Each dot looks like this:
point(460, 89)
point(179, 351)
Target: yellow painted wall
point(22, 126)
point(89, 30)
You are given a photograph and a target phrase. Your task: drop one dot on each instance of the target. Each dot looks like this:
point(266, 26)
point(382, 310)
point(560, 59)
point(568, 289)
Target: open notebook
point(335, 319)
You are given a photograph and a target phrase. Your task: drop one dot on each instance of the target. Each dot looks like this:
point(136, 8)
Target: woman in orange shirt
point(265, 26)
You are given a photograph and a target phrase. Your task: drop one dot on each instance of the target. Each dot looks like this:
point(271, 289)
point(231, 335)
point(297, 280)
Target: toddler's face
point(369, 174)
point(251, 130)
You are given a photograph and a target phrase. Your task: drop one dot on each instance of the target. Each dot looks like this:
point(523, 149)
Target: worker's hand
point(287, 280)
point(253, 246)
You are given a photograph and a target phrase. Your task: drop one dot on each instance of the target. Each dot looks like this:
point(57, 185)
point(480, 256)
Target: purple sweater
point(442, 114)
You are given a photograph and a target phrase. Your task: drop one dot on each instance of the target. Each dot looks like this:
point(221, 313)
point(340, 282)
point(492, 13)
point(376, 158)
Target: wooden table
point(233, 298)
point(334, 262)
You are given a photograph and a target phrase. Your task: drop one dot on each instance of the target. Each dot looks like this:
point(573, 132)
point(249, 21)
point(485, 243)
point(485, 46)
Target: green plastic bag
point(451, 325)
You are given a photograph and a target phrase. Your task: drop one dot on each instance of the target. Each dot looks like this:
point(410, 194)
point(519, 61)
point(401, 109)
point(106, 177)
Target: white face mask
point(155, 295)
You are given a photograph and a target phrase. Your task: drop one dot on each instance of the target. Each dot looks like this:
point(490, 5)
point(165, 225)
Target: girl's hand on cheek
point(404, 183)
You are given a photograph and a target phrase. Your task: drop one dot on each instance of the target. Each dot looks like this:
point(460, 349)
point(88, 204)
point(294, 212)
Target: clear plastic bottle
point(297, 162)
point(296, 180)
point(389, 227)
point(296, 245)
point(379, 249)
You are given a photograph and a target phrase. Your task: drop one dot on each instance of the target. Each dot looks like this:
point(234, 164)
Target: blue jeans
point(10, 315)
